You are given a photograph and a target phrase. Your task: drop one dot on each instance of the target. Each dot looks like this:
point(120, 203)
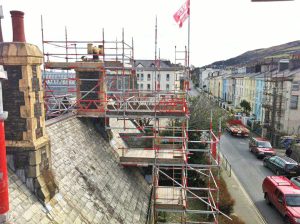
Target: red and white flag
point(183, 13)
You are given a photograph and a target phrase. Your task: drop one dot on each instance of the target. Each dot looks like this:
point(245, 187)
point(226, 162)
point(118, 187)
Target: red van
point(284, 195)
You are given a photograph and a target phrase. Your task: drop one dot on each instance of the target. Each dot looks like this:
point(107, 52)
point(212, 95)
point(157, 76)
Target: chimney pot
point(18, 26)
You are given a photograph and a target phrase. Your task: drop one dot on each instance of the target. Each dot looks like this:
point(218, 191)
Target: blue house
point(225, 89)
point(259, 86)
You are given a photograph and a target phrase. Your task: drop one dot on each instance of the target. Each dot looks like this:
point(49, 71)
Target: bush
point(226, 202)
point(235, 220)
point(162, 217)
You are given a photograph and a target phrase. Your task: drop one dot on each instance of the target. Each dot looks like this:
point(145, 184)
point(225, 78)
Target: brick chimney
point(18, 26)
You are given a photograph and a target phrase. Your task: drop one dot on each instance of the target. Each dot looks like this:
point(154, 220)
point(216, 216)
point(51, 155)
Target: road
point(250, 172)
point(193, 91)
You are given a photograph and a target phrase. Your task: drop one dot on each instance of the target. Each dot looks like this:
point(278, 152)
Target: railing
point(149, 210)
point(143, 104)
point(225, 163)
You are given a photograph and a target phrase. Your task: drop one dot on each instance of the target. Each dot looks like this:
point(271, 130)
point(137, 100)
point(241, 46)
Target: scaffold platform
point(78, 65)
point(170, 198)
point(149, 157)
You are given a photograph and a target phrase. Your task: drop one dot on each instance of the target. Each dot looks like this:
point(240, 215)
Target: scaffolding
point(274, 101)
point(105, 85)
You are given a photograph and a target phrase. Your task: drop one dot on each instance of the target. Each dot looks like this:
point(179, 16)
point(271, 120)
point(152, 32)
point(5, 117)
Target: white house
point(166, 75)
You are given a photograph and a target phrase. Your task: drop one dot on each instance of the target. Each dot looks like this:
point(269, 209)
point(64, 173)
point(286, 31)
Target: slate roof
point(164, 65)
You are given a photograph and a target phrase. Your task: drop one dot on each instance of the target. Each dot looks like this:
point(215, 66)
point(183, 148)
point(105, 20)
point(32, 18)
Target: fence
point(225, 163)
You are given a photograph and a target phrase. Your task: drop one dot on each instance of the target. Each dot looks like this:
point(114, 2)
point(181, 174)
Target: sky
point(220, 29)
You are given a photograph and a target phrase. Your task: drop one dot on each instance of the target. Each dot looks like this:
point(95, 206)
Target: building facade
point(59, 82)
point(165, 76)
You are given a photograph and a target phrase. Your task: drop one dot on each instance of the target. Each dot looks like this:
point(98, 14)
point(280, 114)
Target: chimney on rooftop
point(18, 26)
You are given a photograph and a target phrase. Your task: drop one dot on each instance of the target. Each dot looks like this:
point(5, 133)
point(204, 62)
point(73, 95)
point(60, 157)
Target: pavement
point(244, 207)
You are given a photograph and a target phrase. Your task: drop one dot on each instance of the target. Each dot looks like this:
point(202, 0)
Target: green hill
point(271, 53)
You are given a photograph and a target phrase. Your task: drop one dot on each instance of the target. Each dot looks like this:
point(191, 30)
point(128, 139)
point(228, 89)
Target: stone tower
point(28, 147)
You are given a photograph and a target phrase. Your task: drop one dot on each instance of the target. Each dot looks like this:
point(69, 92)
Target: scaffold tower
point(100, 81)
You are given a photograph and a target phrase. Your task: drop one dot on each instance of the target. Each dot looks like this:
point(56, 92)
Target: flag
point(182, 14)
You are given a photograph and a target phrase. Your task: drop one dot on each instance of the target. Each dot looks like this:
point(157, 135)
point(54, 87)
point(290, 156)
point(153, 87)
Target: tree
point(201, 108)
point(246, 106)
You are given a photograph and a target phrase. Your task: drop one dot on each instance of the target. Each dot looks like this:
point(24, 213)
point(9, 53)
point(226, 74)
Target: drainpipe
point(4, 203)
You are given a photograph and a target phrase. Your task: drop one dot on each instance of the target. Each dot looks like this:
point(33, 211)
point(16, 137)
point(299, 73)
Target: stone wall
point(28, 146)
point(93, 187)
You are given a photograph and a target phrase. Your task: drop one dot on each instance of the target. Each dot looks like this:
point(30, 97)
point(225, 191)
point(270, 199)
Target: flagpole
point(189, 30)
point(155, 56)
point(188, 53)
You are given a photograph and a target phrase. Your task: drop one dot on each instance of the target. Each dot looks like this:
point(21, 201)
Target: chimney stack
point(18, 26)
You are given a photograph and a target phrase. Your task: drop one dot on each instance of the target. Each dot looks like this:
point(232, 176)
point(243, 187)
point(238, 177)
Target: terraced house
point(271, 89)
point(167, 76)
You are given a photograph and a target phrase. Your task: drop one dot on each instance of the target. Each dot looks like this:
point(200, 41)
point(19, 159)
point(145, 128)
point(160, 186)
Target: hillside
point(275, 52)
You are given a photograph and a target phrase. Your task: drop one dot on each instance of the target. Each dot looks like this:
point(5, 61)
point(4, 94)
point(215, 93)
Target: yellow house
point(239, 89)
point(219, 87)
point(250, 90)
point(215, 84)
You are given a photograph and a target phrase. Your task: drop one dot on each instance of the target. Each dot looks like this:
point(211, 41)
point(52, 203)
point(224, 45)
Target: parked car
point(282, 166)
point(284, 195)
point(296, 181)
point(261, 147)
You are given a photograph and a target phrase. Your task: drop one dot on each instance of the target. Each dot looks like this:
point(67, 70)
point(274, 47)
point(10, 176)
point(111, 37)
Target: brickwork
point(14, 99)
point(90, 88)
point(93, 188)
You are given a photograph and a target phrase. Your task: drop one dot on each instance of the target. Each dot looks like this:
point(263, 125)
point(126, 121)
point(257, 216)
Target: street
point(250, 172)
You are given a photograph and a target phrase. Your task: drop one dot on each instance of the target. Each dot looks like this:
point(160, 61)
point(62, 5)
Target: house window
point(295, 86)
point(294, 102)
point(148, 77)
point(158, 77)
point(138, 77)
point(148, 86)
point(168, 77)
point(142, 86)
point(167, 87)
point(142, 77)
